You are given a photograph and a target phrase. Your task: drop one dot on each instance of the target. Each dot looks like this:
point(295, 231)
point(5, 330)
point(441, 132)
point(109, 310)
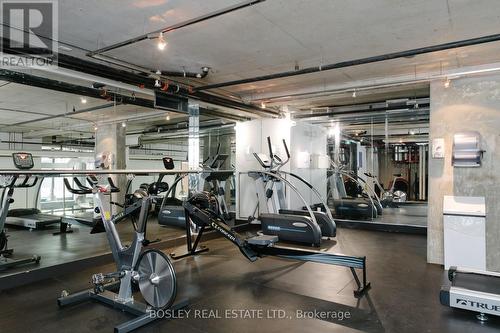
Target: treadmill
point(473, 290)
point(31, 218)
point(85, 218)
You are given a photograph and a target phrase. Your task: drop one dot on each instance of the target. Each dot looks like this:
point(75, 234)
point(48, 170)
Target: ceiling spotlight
point(447, 83)
point(167, 117)
point(262, 105)
point(83, 100)
point(124, 124)
point(412, 132)
point(95, 128)
point(161, 42)
point(354, 94)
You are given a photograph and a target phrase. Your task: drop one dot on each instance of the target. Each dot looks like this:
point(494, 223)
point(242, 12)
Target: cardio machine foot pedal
point(263, 240)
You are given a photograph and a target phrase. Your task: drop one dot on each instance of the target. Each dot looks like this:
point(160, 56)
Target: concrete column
point(467, 104)
point(111, 138)
point(194, 145)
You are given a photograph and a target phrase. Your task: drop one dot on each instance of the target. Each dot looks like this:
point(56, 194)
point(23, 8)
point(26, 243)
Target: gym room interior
point(249, 165)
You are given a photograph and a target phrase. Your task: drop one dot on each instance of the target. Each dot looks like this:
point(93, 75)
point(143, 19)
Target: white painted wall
point(302, 138)
point(312, 140)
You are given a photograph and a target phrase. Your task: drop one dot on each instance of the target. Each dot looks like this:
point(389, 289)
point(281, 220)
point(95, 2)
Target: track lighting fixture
point(161, 42)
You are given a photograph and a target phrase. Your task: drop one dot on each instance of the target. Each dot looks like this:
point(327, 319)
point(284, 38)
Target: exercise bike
point(150, 270)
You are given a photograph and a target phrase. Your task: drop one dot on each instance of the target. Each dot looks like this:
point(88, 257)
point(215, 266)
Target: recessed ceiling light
point(167, 117)
point(262, 105)
point(124, 124)
point(83, 100)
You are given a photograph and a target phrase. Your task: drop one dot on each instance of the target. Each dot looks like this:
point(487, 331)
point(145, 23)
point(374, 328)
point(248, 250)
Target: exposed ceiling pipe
point(124, 78)
point(99, 54)
point(176, 26)
point(413, 101)
point(356, 62)
point(200, 75)
point(362, 113)
point(91, 109)
point(94, 78)
point(179, 133)
point(144, 83)
point(36, 81)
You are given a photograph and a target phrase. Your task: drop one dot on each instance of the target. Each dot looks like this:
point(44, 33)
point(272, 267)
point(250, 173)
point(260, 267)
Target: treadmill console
point(23, 161)
point(168, 163)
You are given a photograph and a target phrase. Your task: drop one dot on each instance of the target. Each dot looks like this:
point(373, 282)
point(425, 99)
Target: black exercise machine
point(201, 209)
point(151, 270)
point(299, 226)
point(33, 218)
point(473, 290)
point(8, 186)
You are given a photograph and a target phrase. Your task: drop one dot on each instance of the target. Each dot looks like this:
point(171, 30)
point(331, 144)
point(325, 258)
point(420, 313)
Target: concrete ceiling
point(266, 38)
point(276, 35)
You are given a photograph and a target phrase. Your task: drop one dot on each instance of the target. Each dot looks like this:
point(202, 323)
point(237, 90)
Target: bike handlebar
point(92, 180)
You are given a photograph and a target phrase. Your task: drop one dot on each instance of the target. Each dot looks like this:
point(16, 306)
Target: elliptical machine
point(293, 226)
point(150, 270)
point(217, 180)
point(349, 207)
point(276, 191)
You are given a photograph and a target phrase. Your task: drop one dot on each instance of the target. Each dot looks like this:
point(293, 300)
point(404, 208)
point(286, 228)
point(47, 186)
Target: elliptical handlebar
point(26, 183)
point(286, 148)
point(218, 149)
point(112, 186)
point(93, 181)
point(276, 162)
point(80, 190)
point(270, 147)
point(9, 182)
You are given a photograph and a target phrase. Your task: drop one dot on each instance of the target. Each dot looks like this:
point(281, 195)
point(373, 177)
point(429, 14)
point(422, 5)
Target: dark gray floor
point(410, 214)
point(404, 295)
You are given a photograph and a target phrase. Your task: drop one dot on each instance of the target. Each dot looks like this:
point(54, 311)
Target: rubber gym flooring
point(404, 295)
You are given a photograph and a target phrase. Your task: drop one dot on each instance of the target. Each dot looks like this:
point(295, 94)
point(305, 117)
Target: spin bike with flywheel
point(151, 270)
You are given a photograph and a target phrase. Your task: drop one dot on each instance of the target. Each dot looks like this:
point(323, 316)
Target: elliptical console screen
point(23, 161)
